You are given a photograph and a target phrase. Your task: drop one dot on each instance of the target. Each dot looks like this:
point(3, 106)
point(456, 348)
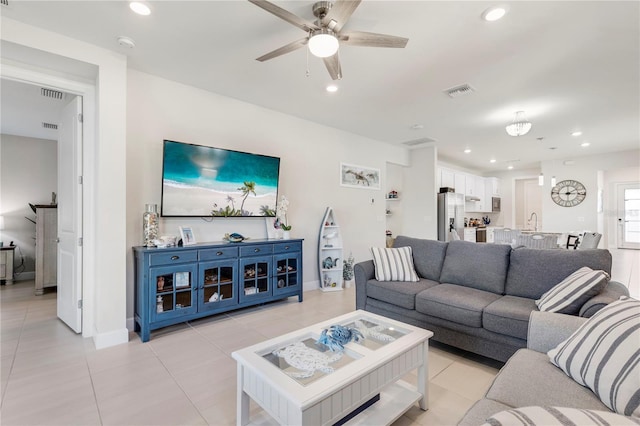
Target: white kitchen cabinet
point(470, 185)
point(447, 179)
point(494, 185)
point(459, 183)
point(470, 234)
point(490, 234)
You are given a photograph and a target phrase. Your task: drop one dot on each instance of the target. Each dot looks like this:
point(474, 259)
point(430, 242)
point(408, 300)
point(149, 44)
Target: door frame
point(620, 186)
point(87, 90)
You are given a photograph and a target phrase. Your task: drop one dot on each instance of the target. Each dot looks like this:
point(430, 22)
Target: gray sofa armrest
point(363, 272)
point(611, 293)
point(547, 330)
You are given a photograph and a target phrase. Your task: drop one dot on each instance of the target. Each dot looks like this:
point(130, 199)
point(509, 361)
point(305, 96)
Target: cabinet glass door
point(172, 291)
point(286, 276)
point(255, 278)
point(218, 284)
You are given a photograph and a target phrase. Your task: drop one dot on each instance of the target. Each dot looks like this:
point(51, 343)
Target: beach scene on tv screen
point(205, 181)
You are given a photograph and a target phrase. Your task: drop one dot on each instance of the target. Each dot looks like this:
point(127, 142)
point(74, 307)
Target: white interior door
point(532, 204)
point(629, 216)
point(70, 215)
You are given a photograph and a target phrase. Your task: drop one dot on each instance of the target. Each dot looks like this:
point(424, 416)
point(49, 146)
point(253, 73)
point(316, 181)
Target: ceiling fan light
point(323, 44)
point(520, 126)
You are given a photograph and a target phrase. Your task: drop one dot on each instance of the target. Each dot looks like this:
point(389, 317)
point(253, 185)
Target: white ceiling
point(572, 65)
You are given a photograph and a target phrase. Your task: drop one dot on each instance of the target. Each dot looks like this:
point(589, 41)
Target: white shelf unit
point(330, 253)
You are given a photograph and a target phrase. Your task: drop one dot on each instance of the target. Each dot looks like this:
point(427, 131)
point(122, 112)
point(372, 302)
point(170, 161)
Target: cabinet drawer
point(218, 253)
point(286, 247)
point(170, 257)
point(255, 250)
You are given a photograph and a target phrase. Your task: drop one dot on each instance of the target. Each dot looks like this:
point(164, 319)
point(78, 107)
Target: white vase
point(348, 283)
point(286, 235)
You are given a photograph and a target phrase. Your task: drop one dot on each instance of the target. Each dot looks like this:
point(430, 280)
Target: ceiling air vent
point(417, 142)
point(50, 126)
point(50, 93)
point(463, 89)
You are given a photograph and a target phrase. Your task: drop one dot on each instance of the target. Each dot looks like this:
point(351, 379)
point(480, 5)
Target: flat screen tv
point(202, 181)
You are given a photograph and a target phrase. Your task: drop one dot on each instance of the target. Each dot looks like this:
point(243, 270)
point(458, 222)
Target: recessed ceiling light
point(332, 88)
point(493, 160)
point(585, 144)
point(493, 13)
point(126, 42)
point(576, 133)
point(510, 167)
point(467, 151)
point(140, 8)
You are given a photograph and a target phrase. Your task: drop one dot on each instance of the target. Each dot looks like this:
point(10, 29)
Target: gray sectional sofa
point(530, 379)
point(478, 297)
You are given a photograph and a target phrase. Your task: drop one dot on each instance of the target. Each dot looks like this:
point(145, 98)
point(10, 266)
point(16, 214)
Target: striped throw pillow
point(394, 264)
point(558, 416)
point(574, 291)
point(604, 355)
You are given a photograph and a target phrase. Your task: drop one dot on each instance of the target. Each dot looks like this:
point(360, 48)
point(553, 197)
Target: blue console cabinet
point(178, 284)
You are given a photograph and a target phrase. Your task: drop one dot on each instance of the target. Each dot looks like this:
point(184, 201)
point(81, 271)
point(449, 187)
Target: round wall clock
point(568, 193)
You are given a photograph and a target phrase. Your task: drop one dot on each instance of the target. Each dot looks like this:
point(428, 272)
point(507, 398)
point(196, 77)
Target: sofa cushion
point(604, 354)
point(570, 294)
point(528, 378)
point(481, 411)
point(532, 272)
point(558, 416)
point(401, 294)
point(509, 315)
point(480, 266)
point(394, 264)
point(459, 304)
point(428, 255)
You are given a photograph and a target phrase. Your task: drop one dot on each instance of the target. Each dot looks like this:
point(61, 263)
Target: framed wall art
point(361, 177)
point(187, 235)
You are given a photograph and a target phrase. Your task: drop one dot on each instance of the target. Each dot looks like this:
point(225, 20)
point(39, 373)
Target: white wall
point(419, 200)
point(28, 174)
point(585, 170)
point(309, 170)
point(104, 250)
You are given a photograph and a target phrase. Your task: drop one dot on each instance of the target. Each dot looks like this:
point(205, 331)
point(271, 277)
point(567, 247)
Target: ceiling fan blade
point(284, 49)
point(361, 38)
point(281, 13)
point(333, 66)
point(340, 14)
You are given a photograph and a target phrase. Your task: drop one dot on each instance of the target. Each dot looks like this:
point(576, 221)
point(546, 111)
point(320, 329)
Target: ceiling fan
point(325, 35)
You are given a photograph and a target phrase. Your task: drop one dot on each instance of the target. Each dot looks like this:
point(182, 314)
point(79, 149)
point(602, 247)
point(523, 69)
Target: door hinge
point(80, 180)
point(80, 304)
point(80, 118)
point(80, 241)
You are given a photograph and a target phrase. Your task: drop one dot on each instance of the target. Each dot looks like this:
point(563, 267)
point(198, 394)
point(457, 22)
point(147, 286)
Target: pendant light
point(519, 126)
point(553, 181)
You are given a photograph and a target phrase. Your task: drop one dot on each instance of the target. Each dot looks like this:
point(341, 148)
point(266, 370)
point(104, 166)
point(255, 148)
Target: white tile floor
point(185, 374)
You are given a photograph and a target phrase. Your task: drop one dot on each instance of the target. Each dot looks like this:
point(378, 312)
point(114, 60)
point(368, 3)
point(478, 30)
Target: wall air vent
point(416, 142)
point(50, 93)
point(50, 126)
point(463, 89)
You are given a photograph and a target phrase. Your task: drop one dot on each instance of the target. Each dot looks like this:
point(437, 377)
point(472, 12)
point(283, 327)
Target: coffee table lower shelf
point(395, 400)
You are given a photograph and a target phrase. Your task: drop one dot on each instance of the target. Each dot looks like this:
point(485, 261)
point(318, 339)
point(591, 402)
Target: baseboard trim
point(112, 338)
point(130, 324)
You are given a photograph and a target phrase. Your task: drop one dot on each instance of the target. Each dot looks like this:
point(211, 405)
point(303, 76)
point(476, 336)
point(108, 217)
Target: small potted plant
point(281, 217)
point(347, 271)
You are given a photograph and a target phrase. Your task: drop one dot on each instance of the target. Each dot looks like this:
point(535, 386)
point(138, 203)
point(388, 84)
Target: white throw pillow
point(568, 296)
point(558, 416)
point(604, 355)
point(394, 264)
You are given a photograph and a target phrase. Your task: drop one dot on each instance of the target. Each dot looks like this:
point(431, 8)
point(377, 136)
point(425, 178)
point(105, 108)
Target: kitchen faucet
point(531, 217)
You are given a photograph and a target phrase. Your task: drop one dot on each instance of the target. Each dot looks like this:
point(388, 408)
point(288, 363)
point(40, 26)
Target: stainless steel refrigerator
point(450, 215)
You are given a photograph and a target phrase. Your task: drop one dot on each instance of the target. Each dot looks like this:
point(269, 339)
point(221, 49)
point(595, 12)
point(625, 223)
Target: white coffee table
point(319, 396)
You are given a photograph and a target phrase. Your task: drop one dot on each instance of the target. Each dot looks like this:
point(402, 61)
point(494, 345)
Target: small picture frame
point(186, 233)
